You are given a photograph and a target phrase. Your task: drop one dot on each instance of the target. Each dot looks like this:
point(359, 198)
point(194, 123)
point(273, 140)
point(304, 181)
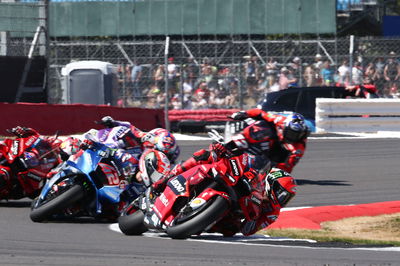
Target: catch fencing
point(205, 70)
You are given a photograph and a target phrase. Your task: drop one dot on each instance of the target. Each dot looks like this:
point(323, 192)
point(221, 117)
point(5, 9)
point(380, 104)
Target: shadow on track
point(15, 204)
point(322, 182)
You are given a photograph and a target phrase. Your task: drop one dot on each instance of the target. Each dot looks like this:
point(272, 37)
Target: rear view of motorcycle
point(89, 183)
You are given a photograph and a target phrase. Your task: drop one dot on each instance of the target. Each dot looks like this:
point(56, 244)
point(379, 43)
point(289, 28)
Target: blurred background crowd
point(206, 84)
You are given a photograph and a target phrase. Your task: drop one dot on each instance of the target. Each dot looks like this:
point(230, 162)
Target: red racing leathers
point(265, 138)
point(34, 163)
point(268, 211)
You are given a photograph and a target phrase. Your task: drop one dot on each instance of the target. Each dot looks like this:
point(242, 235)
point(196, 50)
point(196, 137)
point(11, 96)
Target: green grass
point(325, 235)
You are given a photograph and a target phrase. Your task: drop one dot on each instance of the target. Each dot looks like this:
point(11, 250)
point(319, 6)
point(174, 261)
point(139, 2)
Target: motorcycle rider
point(275, 140)
point(158, 138)
point(134, 141)
point(40, 158)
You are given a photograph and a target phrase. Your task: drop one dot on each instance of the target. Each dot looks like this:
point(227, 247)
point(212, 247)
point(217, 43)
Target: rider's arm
point(23, 132)
point(296, 151)
point(250, 227)
point(199, 157)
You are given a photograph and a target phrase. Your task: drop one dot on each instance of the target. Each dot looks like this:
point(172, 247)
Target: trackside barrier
point(201, 115)
point(357, 115)
point(73, 118)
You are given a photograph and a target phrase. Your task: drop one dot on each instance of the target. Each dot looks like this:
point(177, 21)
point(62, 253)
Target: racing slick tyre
point(132, 224)
point(197, 221)
point(42, 212)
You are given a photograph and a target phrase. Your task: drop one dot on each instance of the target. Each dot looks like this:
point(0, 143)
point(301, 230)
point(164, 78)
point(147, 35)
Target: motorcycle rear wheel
point(74, 194)
point(132, 224)
point(200, 221)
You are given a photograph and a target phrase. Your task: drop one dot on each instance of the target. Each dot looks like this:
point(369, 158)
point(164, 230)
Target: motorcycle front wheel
point(192, 223)
point(55, 205)
point(131, 221)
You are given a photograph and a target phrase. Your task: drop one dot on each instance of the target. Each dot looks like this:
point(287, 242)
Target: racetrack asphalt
point(312, 217)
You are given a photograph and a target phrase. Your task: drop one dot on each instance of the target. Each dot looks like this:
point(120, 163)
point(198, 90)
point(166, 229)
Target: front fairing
point(84, 165)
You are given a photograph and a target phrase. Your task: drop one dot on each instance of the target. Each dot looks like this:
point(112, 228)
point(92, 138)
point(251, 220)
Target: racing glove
point(160, 184)
point(22, 132)
point(219, 149)
point(241, 115)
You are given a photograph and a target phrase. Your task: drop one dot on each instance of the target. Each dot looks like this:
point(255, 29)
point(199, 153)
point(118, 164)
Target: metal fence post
point(166, 52)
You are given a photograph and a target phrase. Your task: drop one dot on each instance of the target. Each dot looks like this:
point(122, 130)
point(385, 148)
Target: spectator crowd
point(206, 84)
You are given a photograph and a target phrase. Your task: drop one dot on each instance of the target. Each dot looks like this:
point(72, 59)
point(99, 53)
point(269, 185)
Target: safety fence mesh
point(222, 72)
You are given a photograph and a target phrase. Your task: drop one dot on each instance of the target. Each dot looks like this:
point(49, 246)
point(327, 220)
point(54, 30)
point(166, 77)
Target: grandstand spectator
point(297, 70)
point(158, 77)
point(310, 76)
point(173, 76)
point(232, 99)
point(200, 99)
point(286, 79)
point(357, 74)
point(187, 93)
point(176, 102)
point(372, 74)
point(271, 84)
point(327, 74)
point(217, 98)
point(251, 74)
point(318, 62)
point(191, 71)
point(271, 68)
point(137, 80)
point(343, 73)
point(391, 73)
point(380, 65)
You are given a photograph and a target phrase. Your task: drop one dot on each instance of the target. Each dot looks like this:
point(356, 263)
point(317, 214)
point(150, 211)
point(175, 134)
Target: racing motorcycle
point(196, 201)
point(89, 183)
point(22, 178)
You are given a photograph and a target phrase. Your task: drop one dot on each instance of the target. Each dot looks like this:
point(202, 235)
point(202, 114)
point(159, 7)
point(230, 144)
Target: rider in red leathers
point(39, 159)
point(275, 140)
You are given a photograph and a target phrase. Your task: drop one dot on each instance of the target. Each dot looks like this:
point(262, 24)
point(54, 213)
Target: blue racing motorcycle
point(89, 183)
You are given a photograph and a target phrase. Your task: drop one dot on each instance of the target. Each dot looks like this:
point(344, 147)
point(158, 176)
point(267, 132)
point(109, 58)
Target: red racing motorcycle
point(19, 178)
point(197, 200)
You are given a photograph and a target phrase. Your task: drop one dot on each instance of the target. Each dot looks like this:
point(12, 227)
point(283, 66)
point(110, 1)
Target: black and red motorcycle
point(197, 200)
point(19, 177)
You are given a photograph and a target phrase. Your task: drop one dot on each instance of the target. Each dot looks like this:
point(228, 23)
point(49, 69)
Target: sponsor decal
point(233, 180)
point(235, 167)
point(14, 147)
point(164, 200)
point(197, 202)
point(178, 185)
point(30, 141)
point(121, 131)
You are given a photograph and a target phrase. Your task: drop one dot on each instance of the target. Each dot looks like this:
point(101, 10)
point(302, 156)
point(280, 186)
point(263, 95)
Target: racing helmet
point(166, 143)
point(282, 185)
point(70, 145)
point(294, 128)
point(153, 165)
